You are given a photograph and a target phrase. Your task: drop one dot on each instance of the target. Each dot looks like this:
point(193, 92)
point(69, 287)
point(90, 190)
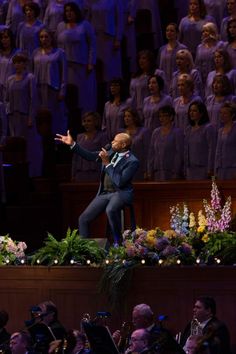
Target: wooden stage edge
point(152, 201)
point(75, 291)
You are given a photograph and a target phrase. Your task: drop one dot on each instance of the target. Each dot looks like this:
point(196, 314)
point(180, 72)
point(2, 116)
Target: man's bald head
point(121, 142)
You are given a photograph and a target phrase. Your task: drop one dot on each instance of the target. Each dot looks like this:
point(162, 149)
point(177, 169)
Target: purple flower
point(162, 242)
point(169, 251)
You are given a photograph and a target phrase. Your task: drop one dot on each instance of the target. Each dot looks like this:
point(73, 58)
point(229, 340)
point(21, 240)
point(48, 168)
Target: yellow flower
point(200, 228)
point(150, 240)
point(205, 238)
point(151, 233)
point(170, 234)
point(192, 220)
point(201, 219)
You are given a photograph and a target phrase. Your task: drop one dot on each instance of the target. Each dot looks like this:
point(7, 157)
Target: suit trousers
point(112, 204)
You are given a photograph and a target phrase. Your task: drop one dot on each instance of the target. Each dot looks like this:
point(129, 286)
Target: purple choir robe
point(198, 86)
point(83, 170)
point(107, 19)
point(190, 32)
point(231, 76)
point(6, 69)
point(113, 118)
point(50, 70)
point(79, 44)
point(27, 38)
point(213, 107)
point(167, 61)
point(165, 159)
point(225, 161)
point(204, 61)
point(21, 100)
point(138, 91)
point(181, 111)
point(150, 110)
point(199, 151)
point(215, 9)
point(140, 148)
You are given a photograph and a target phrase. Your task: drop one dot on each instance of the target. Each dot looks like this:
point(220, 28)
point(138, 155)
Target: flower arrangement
point(11, 252)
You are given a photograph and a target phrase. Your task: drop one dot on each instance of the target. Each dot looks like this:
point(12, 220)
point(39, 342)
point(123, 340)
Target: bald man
point(115, 190)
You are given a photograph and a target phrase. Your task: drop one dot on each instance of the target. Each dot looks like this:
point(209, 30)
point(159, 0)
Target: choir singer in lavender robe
point(165, 161)
point(200, 143)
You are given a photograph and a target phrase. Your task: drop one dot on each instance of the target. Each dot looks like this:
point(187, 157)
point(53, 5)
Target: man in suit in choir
point(115, 191)
point(206, 323)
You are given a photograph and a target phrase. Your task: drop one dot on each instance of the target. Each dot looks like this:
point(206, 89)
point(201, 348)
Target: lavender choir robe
point(27, 38)
point(21, 100)
point(15, 15)
point(6, 69)
point(165, 159)
point(140, 148)
point(54, 14)
point(198, 86)
point(215, 9)
point(231, 76)
point(204, 61)
point(167, 61)
point(138, 91)
point(113, 118)
point(190, 32)
point(181, 111)
point(107, 19)
point(79, 45)
point(83, 170)
point(232, 54)
point(199, 151)
point(213, 107)
point(50, 70)
point(150, 110)
point(130, 8)
point(225, 161)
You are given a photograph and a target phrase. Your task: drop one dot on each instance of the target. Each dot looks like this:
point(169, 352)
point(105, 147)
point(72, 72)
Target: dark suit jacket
point(121, 175)
point(214, 330)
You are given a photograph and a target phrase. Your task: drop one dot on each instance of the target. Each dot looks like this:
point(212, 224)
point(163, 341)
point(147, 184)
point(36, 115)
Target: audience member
point(200, 143)
point(204, 311)
point(20, 343)
point(139, 341)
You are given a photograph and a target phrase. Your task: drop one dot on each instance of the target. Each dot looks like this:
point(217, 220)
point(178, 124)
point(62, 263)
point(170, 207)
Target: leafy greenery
point(115, 281)
point(72, 247)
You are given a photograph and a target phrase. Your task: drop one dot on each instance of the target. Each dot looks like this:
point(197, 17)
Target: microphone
point(107, 147)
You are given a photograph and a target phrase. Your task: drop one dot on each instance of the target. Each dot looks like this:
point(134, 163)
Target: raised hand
point(65, 139)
